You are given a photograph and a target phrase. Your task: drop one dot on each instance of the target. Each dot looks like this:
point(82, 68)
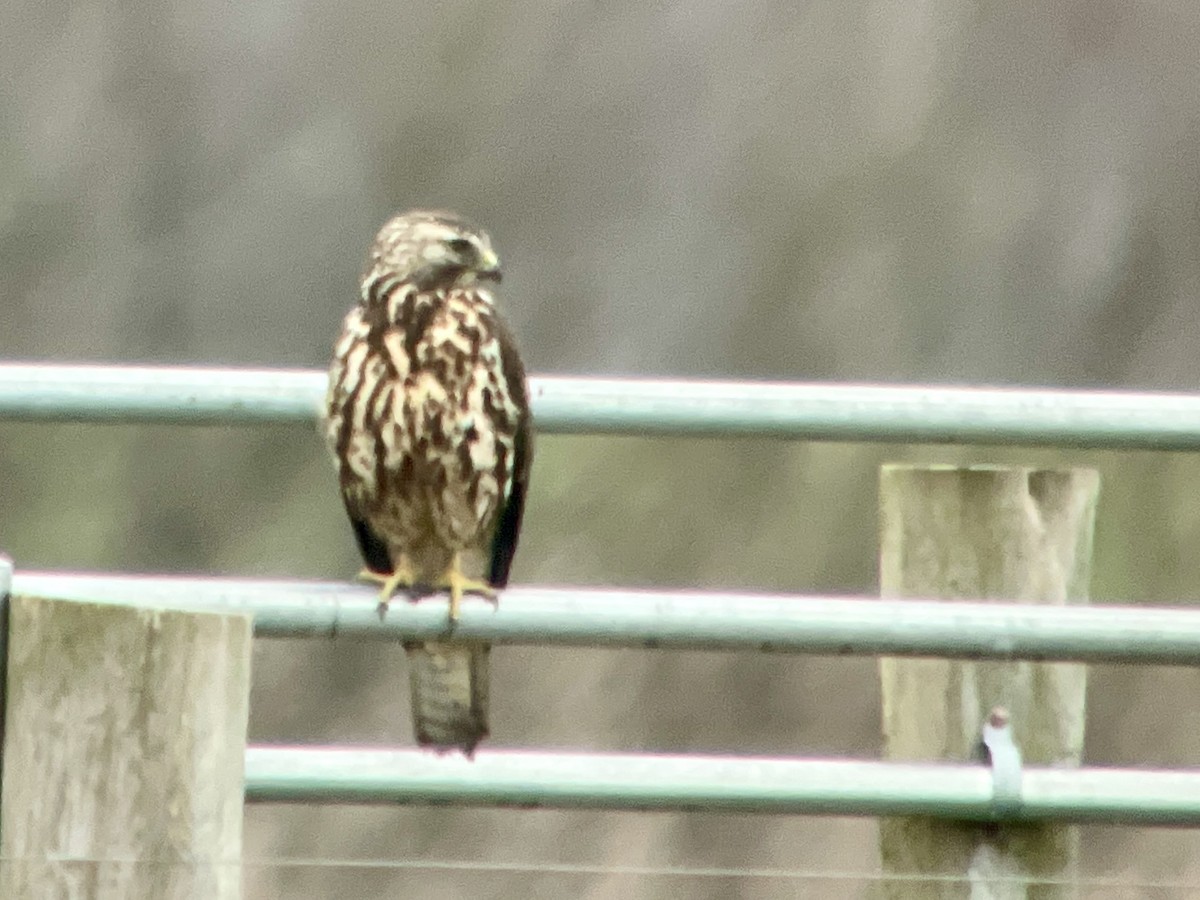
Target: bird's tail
point(449, 694)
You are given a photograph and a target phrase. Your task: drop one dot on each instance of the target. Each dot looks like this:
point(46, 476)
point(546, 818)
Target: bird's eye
point(461, 246)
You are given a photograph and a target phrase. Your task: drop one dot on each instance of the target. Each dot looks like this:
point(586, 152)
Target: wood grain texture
point(1002, 534)
point(124, 747)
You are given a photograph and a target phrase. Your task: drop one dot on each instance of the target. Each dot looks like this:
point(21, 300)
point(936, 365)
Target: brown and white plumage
point(428, 419)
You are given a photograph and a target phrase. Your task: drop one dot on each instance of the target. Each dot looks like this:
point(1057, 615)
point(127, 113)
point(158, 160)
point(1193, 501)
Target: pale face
point(433, 250)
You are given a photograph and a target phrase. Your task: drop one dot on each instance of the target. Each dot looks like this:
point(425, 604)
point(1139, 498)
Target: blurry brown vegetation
point(996, 193)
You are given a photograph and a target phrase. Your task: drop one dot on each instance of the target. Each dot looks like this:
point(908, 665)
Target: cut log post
point(123, 752)
point(999, 534)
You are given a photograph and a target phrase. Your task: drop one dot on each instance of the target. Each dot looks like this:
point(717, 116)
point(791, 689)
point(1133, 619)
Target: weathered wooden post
point(123, 749)
point(989, 533)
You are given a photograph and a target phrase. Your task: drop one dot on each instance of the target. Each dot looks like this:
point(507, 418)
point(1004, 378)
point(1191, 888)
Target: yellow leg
point(458, 584)
point(401, 577)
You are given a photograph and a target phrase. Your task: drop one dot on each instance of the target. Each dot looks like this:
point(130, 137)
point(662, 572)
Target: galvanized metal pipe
point(280, 774)
point(674, 619)
point(661, 407)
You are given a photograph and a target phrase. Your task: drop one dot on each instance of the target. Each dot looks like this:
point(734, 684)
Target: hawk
point(427, 416)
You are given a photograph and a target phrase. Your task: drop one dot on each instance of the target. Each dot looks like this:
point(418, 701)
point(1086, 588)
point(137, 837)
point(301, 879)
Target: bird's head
point(430, 250)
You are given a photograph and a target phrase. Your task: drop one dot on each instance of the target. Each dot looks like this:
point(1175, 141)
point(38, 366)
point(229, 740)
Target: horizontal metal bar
point(276, 774)
point(675, 619)
point(169, 394)
point(567, 405)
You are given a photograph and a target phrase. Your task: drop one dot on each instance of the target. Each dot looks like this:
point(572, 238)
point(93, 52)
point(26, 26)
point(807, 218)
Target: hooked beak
point(489, 266)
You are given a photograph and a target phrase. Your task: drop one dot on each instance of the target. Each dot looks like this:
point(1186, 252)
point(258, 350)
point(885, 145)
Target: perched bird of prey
point(428, 419)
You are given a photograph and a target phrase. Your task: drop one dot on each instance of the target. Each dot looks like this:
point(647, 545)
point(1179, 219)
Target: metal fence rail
point(675, 619)
point(565, 405)
point(732, 784)
point(705, 620)
point(683, 782)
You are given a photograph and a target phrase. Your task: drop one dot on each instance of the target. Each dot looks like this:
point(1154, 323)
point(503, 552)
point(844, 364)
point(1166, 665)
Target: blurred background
point(922, 192)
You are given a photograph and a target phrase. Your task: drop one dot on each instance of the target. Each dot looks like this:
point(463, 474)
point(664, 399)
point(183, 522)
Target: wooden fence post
point(998, 534)
point(123, 752)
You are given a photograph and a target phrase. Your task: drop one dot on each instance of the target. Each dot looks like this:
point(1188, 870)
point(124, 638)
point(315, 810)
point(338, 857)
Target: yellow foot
point(400, 579)
point(454, 581)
